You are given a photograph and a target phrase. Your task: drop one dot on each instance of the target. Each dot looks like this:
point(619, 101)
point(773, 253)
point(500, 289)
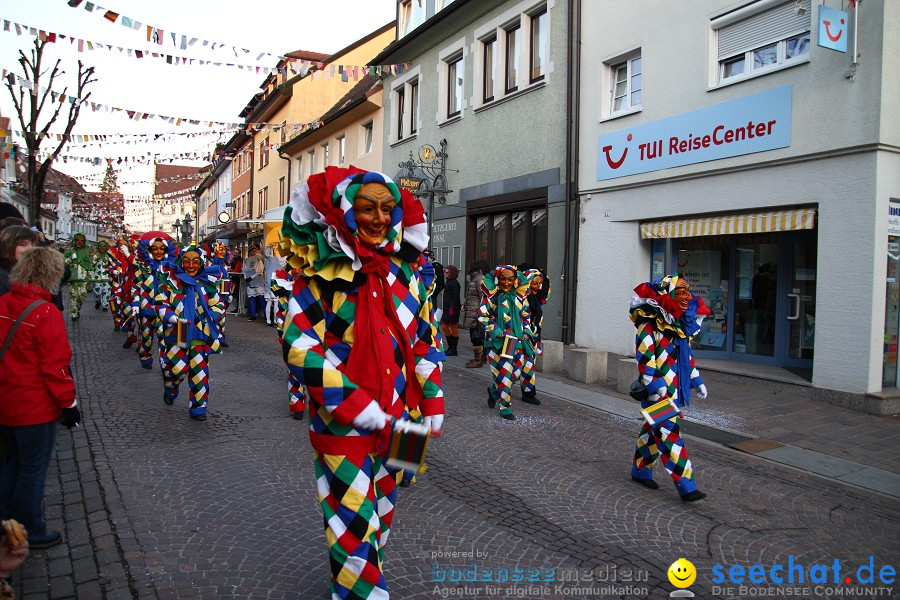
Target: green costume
point(80, 259)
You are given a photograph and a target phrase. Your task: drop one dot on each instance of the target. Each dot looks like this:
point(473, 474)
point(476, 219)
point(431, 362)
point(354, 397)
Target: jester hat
point(655, 301)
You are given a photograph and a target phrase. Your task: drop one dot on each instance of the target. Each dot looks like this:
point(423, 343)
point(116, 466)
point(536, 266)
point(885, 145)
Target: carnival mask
point(507, 279)
point(220, 250)
point(682, 293)
point(536, 283)
point(372, 209)
point(191, 263)
point(79, 242)
point(158, 249)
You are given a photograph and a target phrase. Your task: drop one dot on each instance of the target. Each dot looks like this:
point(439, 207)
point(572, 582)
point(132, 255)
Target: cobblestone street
point(154, 505)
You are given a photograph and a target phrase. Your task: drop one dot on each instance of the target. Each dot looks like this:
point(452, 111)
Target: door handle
point(796, 314)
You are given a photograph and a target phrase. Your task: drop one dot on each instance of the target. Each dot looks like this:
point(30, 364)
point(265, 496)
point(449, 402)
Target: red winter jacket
point(34, 373)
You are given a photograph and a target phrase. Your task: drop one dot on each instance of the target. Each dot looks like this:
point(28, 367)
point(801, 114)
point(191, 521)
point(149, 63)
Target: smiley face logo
point(615, 164)
point(830, 35)
point(682, 573)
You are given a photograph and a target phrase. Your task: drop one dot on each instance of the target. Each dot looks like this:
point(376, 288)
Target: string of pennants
point(119, 138)
point(294, 66)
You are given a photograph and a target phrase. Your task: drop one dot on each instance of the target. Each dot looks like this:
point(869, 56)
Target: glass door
point(756, 283)
point(800, 254)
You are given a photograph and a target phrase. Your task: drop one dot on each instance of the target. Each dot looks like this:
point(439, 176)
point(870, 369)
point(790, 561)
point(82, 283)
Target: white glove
point(435, 422)
point(172, 320)
point(701, 391)
point(371, 417)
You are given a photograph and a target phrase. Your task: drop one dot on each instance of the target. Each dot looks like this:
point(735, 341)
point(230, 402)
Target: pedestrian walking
point(188, 305)
point(254, 278)
point(36, 388)
point(360, 337)
point(100, 276)
point(538, 292)
point(472, 307)
point(666, 315)
point(451, 309)
point(271, 263)
point(80, 259)
point(14, 241)
point(508, 333)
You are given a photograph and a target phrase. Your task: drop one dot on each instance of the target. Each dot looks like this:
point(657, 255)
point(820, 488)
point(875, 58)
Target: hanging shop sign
point(833, 28)
point(751, 124)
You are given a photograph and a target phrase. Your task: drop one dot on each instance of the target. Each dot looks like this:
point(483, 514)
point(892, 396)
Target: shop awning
point(757, 222)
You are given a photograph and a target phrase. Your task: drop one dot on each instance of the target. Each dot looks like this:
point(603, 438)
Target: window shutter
point(776, 23)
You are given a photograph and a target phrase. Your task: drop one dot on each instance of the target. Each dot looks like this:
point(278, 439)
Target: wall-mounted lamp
point(801, 10)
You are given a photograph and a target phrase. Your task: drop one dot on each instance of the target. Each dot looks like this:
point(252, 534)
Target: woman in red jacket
point(35, 388)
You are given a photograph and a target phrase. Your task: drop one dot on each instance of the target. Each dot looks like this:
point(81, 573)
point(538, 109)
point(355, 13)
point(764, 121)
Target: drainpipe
point(288, 183)
point(573, 85)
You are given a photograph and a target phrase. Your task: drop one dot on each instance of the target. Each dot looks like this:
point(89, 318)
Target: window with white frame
point(340, 149)
point(455, 77)
point(368, 137)
point(312, 162)
point(324, 155)
point(282, 189)
point(761, 37)
point(264, 152)
point(299, 169)
point(512, 53)
point(451, 80)
point(404, 108)
point(625, 84)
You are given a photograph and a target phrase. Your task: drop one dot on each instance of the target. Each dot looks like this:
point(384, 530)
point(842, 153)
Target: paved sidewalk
point(768, 419)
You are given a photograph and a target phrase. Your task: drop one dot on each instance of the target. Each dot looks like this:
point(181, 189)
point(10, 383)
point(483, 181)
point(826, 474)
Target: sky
point(149, 85)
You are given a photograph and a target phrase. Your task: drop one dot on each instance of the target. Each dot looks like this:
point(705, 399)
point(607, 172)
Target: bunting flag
point(154, 35)
point(111, 16)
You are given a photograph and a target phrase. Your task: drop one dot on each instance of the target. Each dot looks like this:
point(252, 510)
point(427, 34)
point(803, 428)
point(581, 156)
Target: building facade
point(762, 160)
point(477, 118)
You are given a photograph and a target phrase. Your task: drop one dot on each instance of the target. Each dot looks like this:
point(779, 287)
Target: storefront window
point(539, 238)
point(500, 250)
point(891, 313)
point(519, 237)
point(756, 277)
point(704, 262)
point(482, 250)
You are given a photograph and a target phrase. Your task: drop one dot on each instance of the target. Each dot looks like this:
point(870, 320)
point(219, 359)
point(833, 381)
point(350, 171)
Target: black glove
point(70, 417)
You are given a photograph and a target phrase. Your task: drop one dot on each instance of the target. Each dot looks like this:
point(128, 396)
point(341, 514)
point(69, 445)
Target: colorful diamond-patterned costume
point(80, 259)
point(359, 333)
point(217, 266)
point(666, 366)
point(121, 276)
point(100, 276)
point(148, 273)
point(196, 301)
point(281, 284)
point(536, 302)
point(509, 335)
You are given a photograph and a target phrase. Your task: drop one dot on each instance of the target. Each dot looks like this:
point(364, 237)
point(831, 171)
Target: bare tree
point(30, 115)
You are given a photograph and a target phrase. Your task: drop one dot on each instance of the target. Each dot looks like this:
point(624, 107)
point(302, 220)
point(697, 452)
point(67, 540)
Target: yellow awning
point(758, 222)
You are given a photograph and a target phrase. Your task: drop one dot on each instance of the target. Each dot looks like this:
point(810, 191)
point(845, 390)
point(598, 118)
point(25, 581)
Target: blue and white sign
point(752, 124)
point(833, 28)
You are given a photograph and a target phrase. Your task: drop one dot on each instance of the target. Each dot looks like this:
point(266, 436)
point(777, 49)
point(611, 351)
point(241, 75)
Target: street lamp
point(186, 230)
point(176, 227)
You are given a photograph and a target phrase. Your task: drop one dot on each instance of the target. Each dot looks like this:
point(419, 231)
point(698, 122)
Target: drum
point(409, 441)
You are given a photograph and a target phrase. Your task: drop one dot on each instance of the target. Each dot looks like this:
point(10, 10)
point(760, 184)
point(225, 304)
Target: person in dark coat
point(14, 241)
point(452, 305)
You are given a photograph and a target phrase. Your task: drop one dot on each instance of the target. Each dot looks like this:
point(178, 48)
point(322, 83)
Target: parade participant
point(80, 259)
point(538, 292)
point(153, 257)
point(218, 258)
point(271, 263)
point(666, 315)
point(471, 308)
point(254, 279)
point(360, 337)
point(188, 294)
point(121, 276)
point(36, 388)
point(507, 333)
point(281, 284)
point(100, 277)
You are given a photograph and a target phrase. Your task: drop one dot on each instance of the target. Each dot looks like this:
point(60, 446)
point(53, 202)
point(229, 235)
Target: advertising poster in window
point(703, 270)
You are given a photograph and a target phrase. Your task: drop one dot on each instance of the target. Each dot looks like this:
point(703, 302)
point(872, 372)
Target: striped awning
point(758, 222)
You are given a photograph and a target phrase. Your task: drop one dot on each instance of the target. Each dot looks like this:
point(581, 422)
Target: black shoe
point(693, 496)
point(74, 317)
point(251, 318)
point(404, 483)
point(200, 417)
point(223, 343)
point(167, 400)
point(148, 367)
point(508, 416)
point(451, 352)
point(298, 416)
point(492, 402)
point(647, 483)
point(116, 328)
point(44, 540)
point(530, 397)
point(104, 309)
point(96, 306)
point(127, 344)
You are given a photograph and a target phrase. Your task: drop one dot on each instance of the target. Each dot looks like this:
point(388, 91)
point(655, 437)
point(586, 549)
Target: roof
point(57, 182)
point(185, 178)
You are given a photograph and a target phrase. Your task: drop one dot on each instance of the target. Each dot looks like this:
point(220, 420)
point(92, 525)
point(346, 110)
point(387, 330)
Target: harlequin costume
point(281, 284)
point(360, 337)
point(190, 294)
point(121, 275)
point(538, 292)
point(218, 257)
point(148, 273)
point(666, 315)
point(506, 318)
point(100, 276)
point(80, 259)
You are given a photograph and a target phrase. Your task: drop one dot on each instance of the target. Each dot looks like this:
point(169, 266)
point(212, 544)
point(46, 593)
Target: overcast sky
point(148, 85)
